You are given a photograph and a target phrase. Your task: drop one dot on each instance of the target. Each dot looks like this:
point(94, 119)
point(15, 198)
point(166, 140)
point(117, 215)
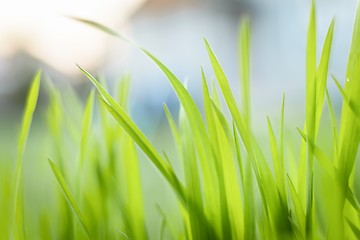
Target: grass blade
point(86, 126)
point(244, 59)
point(101, 27)
point(349, 128)
point(229, 176)
point(192, 178)
point(322, 73)
point(162, 165)
point(278, 165)
point(310, 109)
point(129, 126)
point(223, 228)
point(200, 136)
point(333, 124)
point(173, 127)
point(324, 161)
point(262, 172)
point(299, 211)
point(349, 136)
point(30, 106)
point(134, 205)
point(229, 98)
point(69, 197)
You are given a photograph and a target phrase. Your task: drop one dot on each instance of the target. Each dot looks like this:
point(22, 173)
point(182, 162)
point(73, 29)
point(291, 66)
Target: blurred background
point(36, 34)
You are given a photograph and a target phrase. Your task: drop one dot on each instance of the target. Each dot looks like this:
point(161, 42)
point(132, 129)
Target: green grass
point(226, 185)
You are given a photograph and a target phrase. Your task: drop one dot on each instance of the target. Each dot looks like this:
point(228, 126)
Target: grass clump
point(228, 187)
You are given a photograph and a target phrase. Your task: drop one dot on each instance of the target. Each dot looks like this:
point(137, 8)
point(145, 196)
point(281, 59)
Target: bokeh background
point(36, 34)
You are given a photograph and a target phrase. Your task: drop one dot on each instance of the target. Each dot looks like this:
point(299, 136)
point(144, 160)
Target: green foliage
point(227, 187)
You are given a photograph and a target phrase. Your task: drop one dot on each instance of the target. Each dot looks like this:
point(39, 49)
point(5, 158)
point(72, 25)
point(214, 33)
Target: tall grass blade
point(299, 210)
point(322, 74)
point(244, 59)
point(224, 228)
point(133, 193)
point(174, 130)
point(262, 172)
point(31, 101)
point(229, 176)
point(267, 186)
point(349, 136)
point(229, 98)
point(310, 115)
point(200, 136)
point(349, 128)
point(192, 178)
point(86, 126)
point(333, 124)
point(278, 165)
point(69, 197)
point(222, 140)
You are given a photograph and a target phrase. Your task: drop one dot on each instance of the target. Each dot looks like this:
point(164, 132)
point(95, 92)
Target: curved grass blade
point(231, 211)
point(267, 186)
point(341, 90)
point(229, 176)
point(162, 165)
point(69, 197)
point(246, 140)
point(200, 136)
point(222, 120)
point(192, 178)
point(130, 127)
point(229, 98)
point(30, 106)
point(101, 27)
point(322, 73)
point(223, 227)
point(350, 129)
point(194, 118)
point(350, 103)
point(278, 165)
